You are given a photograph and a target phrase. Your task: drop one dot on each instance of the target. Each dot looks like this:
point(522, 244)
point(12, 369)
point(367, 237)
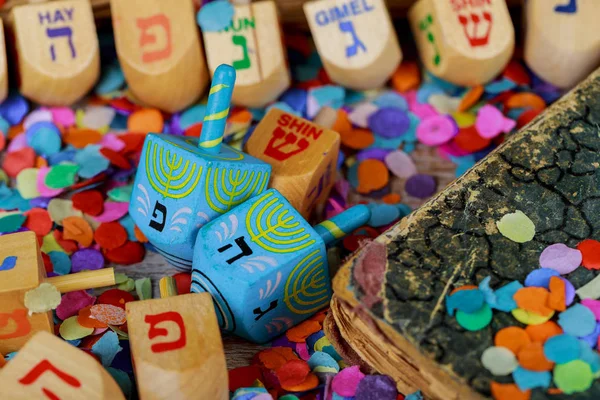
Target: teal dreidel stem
point(217, 109)
point(343, 223)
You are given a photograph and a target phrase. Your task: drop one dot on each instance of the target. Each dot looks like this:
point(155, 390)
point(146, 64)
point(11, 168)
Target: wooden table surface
point(239, 352)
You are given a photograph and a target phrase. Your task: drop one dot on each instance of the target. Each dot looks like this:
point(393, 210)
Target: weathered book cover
point(396, 318)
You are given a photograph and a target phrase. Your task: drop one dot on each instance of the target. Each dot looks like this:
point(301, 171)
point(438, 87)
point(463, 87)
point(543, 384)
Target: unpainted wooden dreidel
point(3, 68)
point(253, 45)
point(177, 349)
point(562, 43)
point(356, 41)
point(464, 42)
point(21, 270)
point(183, 183)
point(159, 49)
point(50, 368)
point(265, 266)
point(303, 156)
point(58, 54)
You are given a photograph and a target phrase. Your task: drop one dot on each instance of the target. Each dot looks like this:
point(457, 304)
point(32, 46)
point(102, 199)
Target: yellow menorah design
point(306, 287)
point(274, 228)
point(228, 187)
point(167, 176)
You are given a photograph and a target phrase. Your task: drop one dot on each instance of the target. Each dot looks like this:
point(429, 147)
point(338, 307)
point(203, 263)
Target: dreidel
point(303, 156)
point(159, 50)
point(356, 41)
point(265, 266)
point(183, 182)
point(49, 368)
point(466, 43)
point(177, 349)
point(562, 43)
point(253, 45)
point(3, 67)
point(21, 270)
point(58, 54)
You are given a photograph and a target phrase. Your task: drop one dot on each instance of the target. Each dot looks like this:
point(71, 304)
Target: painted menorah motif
point(265, 266)
point(182, 183)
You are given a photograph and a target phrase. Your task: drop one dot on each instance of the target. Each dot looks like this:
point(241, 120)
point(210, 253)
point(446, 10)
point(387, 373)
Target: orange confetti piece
point(299, 333)
point(469, 139)
point(513, 338)
point(464, 287)
point(372, 175)
point(241, 116)
point(406, 77)
point(357, 139)
point(40, 162)
point(14, 131)
point(194, 130)
point(554, 391)
point(542, 332)
point(391, 198)
point(309, 383)
point(320, 316)
point(2, 141)
point(2, 361)
point(78, 229)
point(110, 235)
point(508, 391)
point(84, 318)
point(342, 123)
point(533, 299)
point(276, 357)
point(79, 138)
point(145, 120)
point(557, 299)
point(470, 98)
point(109, 314)
point(139, 235)
point(531, 357)
point(525, 100)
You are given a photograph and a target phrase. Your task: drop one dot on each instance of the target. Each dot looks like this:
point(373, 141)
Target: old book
point(396, 318)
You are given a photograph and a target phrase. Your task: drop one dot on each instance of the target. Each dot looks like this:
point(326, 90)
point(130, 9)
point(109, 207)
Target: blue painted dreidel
point(265, 266)
point(182, 182)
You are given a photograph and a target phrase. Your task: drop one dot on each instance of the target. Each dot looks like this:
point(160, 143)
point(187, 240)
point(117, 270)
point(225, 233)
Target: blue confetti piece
point(312, 339)
point(14, 108)
point(129, 225)
point(353, 97)
point(332, 352)
point(123, 380)
point(314, 59)
point(74, 342)
point(119, 122)
point(468, 301)
point(577, 320)
point(296, 99)
point(488, 293)
point(352, 175)
point(192, 116)
point(391, 99)
point(322, 359)
point(91, 162)
point(562, 348)
point(463, 164)
point(304, 73)
point(328, 95)
point(592, 338)
point(589, 356)
point(404, 209)
point(500, 86)
point(426, 90)
point(4, 126)
point(67, 155)
point(248, 393)
point(10, 356)
point(387, 143)
point(107, 348)
point(504, 297)
point(44, 138)
point(215, 16)
point(540, 277)
point(514, 113)
point(414, 396)
point(61, 262)
point(526, 379)
point(8, 263)
point(283, 107)
point(10, 199)
point(112, 79)
point(448, 87)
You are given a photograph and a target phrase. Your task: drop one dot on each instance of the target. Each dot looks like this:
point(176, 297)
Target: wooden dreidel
point(3, 68)
point(265, 266)
point(21, 270)
point(253, 45)
point(561, 44)
point(49, 368)
point(58, 54)
point(159, 49)
point(182, 182)
point(356, 41)
point(303, 156)
point(177, 349)
point(464, 42)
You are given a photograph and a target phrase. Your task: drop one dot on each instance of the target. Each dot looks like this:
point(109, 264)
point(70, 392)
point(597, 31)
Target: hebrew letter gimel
point(352, 50)
point(170, 316)
point(158, 207)
point(161, 22)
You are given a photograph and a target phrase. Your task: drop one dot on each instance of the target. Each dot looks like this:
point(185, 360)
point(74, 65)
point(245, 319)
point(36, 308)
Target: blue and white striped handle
point(217, 109)
point(343, 223)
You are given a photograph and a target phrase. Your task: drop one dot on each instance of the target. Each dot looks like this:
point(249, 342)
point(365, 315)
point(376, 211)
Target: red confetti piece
point(47, 263)
point(515, 72)
point(110, 235)
point(244, 377)
point(468, 139)
point(129, 253)
point(108, 314)
point(17, 161)
point(590, 249)
point(292, 373)
point(115, 297)
point(69, 246)
point(183, 281)
point(38, 221)
point(133, 142)
point(115, 158)
point(89, 202)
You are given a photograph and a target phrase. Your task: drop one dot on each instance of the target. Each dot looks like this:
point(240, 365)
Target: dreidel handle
point(217, 109)
point(83, 280)
point(343, 223)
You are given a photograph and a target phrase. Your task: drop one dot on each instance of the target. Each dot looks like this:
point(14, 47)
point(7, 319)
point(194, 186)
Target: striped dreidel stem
point(343, 223)
point(217, 109)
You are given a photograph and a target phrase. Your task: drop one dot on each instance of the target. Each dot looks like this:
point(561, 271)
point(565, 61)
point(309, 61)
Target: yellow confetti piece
point(517, 227)
point(42, 299)
point(529, 318)
point(60, 209)
point(49, 244)
point(27, 183)
point(71, 330)
point(3, 176)
point(464, 119)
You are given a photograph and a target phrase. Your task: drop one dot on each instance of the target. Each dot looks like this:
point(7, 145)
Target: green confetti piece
point(573, 377)
point(61, 176)
point(122, 380)
point(517, 227)
point(11, 223)
point(143, 288)
point(120, 278)
point(27, 183)
point(3, 176)
point(121, 194)
point(475, 321)
point(122, 335)
point(128, 285)
point(71, 330)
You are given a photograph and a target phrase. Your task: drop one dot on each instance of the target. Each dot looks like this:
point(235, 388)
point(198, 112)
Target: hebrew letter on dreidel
point(277, 152)
point(352, 50)
point(19, 317)
point(244, 63)
point(241, 243)
point(59, 32)
point(170, 316)
point(476, 40)
point(260, 313)
point(159, 226)
point(159, 21)
point(569, 8)
point(39, 370)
